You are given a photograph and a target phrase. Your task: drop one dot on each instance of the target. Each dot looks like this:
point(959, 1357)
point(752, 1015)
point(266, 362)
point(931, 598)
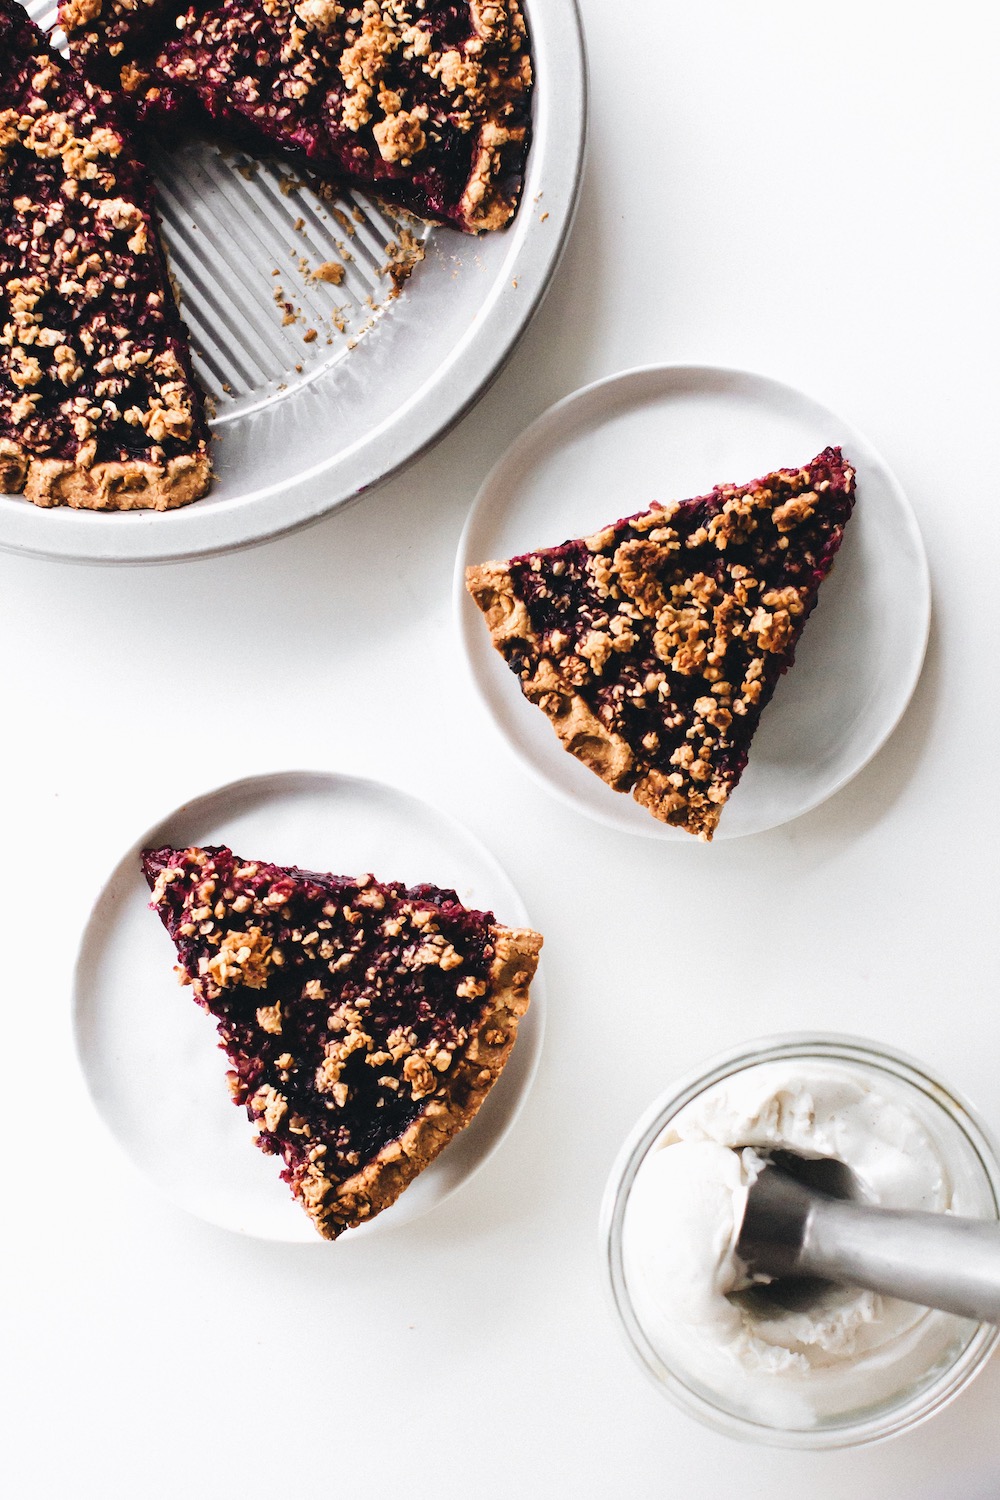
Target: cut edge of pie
point(299, 1021)
point(425, 104)
point(89, 311)
point(631, 552)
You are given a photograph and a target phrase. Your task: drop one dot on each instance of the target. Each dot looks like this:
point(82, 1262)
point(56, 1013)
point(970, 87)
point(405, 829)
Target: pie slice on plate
point(654, 645)
point(425, 102)
point(98, 403)
point(364, 1023)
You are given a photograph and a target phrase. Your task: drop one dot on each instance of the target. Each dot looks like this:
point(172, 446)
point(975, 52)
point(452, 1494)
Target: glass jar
point(946, 1362)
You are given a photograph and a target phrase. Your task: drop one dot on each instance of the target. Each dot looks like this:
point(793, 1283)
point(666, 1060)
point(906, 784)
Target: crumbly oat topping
point(363, 1023)
point(243, 958)
point(424, 101)
point(98, 404)
point(330, 271)
point(654, 645)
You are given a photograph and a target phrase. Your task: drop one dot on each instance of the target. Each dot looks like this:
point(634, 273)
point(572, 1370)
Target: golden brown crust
point(130, 485)
point(578, 728)
point(696, 812)
point(13, 467)
point(456, 1101)
point(485, 205)
point(491, 586)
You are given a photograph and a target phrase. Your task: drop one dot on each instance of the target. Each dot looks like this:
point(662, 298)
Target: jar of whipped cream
point(802, 1365)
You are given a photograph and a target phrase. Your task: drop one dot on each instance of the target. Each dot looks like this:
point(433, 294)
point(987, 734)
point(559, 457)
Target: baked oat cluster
point(423, 101)
point(654, 645)
point(364, 1023)
point(98, 403)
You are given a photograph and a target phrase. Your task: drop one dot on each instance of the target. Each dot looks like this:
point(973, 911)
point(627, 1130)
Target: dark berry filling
point(404, 100)
point(94, 364)
point(358, 993)
point(674, 628)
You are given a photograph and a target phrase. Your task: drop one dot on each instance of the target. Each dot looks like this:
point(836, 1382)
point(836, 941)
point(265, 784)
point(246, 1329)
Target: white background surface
point(810, 191)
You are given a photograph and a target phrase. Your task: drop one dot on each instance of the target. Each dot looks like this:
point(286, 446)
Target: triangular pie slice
point(654, 645)
point(425, 102)
point(98, 403)
point(364, 1023)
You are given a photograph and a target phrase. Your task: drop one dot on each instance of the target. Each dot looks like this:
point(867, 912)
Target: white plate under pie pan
point(664, 432)
point(150, 1055)
point(303, 428)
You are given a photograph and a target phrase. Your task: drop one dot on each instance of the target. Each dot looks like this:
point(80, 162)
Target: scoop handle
point(937, 1260)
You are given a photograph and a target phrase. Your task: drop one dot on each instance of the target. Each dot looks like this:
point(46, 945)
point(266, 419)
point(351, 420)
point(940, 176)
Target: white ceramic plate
point(303, 428)
point(666, 432)
point(150, 1055)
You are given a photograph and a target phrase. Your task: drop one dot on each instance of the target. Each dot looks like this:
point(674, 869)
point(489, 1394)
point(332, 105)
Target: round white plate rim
point(555, 166)
point(469, 620)
point(531, 1033)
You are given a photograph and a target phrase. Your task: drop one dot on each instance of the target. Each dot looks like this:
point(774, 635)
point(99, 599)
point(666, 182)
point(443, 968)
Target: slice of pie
point(424, 102)
point(654, 645)
point(364, 1023)
point(98, 403)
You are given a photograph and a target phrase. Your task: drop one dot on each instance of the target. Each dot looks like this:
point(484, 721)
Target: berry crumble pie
point(364, 1023)
point(654, 645)
point(99, 408)
point(424, 102)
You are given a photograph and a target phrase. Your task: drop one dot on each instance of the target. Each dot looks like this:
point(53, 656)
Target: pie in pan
point(99, 407)
point(364, 1023)
point(425, 102)
point(654, 645)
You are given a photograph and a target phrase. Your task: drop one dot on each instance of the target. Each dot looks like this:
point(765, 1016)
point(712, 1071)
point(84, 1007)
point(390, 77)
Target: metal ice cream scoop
point(795, 1226)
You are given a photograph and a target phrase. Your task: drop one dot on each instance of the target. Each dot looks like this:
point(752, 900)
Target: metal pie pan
point(305, 424)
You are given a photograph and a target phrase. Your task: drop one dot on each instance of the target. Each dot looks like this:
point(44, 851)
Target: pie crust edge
point(578, 728)
point(131, 484)
point(381, 1181)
